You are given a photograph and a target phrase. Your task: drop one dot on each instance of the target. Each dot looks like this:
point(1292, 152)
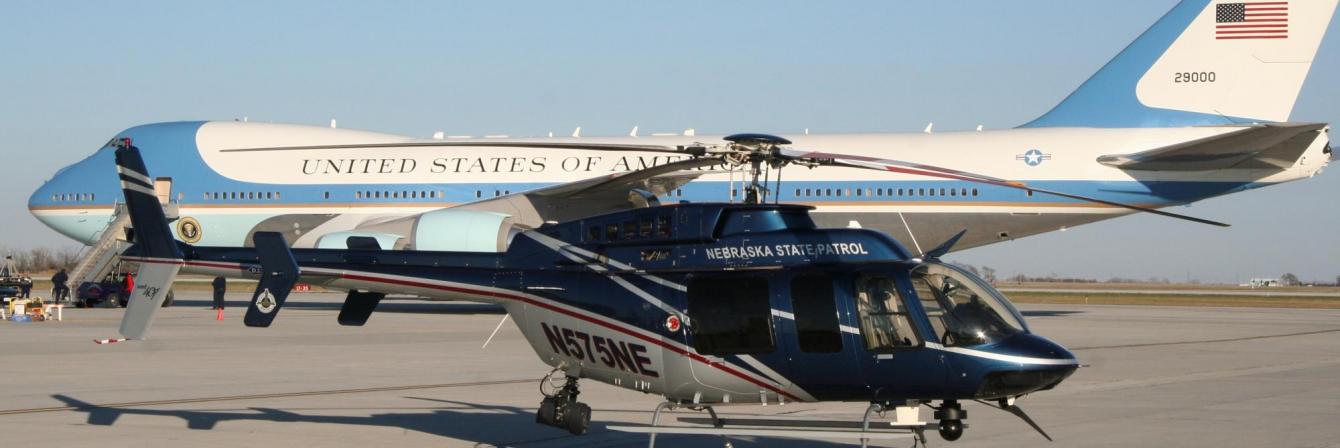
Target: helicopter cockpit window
point(962, 310)
point(884, 315)
point(730, 316)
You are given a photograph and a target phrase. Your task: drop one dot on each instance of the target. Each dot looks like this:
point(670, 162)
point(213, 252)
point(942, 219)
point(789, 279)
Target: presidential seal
point(189, 230)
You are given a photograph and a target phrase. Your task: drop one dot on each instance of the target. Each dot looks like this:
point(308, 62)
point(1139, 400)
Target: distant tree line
point(43, 259)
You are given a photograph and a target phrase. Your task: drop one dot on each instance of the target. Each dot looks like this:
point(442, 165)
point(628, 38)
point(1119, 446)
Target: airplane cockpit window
point(884, 316)
point(962, 309)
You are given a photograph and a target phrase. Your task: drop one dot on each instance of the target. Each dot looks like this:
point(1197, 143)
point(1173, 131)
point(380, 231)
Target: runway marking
point(261, 396)
point(1208, 341)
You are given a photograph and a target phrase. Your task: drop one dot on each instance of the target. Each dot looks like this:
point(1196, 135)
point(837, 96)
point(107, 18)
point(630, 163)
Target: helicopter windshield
point(962, 308)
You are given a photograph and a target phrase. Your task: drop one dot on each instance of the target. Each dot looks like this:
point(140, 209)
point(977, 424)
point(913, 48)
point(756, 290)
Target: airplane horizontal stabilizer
point(1261, 147)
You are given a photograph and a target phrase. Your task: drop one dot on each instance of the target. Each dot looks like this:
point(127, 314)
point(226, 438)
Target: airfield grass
point(1209, 300)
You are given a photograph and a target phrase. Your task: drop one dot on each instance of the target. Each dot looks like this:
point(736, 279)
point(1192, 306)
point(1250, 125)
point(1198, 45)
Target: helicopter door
point(893, 353)
point(812, 333)
point(731, 321)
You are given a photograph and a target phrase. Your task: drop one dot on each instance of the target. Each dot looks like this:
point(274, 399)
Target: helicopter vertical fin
point(279, 274)
point(162, 258)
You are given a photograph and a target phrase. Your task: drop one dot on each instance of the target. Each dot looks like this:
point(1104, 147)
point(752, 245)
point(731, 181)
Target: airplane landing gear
point(561, 409)
point(951, 416)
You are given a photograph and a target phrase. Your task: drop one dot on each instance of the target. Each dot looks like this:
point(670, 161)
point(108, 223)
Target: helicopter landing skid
point(908, 425)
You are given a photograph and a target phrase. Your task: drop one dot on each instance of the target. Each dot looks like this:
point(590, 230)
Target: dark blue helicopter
point(705, 304)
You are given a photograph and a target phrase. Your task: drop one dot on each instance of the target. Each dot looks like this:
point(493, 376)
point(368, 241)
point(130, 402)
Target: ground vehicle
point(13, 286)
point(110, 292)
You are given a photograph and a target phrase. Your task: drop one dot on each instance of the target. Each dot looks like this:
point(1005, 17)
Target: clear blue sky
point(75, 73)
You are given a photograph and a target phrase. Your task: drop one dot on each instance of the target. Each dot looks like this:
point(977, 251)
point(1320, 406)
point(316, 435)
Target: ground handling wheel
point(548, 412)
point(577, 417)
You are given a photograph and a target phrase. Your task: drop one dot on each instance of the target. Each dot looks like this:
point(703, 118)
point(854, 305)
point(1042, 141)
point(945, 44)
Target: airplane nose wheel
point(561, 409)
point(951, 416)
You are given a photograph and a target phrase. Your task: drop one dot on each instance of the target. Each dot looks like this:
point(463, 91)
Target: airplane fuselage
point(222, 196)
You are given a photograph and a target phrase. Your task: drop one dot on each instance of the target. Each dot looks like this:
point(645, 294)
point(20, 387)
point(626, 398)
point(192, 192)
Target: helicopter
point(705, 304)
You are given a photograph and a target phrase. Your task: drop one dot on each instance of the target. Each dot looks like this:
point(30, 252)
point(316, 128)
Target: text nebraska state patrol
point(785, 250)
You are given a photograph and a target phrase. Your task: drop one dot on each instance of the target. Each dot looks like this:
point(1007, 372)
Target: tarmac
point(416, 375)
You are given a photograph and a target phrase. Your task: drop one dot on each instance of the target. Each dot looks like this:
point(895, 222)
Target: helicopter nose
point(1039, 364)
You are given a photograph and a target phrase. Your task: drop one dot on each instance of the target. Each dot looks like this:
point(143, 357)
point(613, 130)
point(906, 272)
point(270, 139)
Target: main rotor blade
point(898, 166)
point(478, 144)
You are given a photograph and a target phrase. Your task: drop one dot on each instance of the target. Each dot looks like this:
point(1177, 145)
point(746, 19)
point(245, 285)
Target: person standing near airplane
point(220, 287)
point(58, 288)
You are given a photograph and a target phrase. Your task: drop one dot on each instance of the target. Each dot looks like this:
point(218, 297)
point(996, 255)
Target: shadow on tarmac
point(480, 424)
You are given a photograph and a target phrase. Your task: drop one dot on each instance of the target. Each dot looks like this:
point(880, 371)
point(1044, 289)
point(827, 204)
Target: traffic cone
point(220, 315)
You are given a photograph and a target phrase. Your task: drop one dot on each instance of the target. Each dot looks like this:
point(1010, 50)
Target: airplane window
point(808, 192)
point(205, 196)
point(974, 192)
point(815, 307)
point(867, 192)
point(276, 195)
point(479, 194)
point(55, 197)
point(1030, 193)
point(879, 191)
point(942, 192)
point(358, 195)
point(921, 192)
point(612, 232)
point(932, 192)
point(953, 192)
point(963, 192)
point(730, 316)
point(900, 192)
point(92, 196)
point(797, 192)
point(679, 193)
point(234, 194)
point(858, 192)
point(828, 192)
point(269, 195)
point(884, 317)
point(593, 233)
point(326, 195)
point(663, 228)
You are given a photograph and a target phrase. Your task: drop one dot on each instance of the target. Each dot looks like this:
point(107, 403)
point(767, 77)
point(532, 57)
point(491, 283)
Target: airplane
point(706, 304)
point(1197, 107)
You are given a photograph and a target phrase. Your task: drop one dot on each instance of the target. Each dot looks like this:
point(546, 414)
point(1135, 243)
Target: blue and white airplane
point(1198, 106)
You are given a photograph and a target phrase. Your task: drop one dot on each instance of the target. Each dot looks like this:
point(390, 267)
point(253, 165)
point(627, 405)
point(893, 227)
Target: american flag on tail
point(1252, 20)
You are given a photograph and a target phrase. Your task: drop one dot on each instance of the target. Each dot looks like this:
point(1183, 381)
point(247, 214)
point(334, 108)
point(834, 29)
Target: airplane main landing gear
point(561, 409)
point(951, 416)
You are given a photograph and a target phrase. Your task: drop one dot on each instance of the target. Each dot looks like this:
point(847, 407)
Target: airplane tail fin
point(160, 257)
point(1206, 62)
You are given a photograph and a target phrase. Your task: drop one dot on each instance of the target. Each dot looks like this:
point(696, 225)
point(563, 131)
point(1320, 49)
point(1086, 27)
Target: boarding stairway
point(100, 258)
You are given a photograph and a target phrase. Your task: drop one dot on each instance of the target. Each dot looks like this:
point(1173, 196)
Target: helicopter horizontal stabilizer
point(279, 274)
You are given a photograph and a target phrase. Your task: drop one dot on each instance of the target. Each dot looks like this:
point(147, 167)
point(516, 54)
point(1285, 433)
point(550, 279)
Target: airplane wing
point(1259, 147)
